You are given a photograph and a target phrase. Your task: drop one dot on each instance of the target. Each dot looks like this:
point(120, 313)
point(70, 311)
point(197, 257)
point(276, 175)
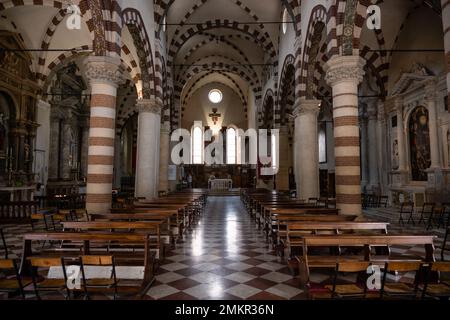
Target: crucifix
point(215, 116)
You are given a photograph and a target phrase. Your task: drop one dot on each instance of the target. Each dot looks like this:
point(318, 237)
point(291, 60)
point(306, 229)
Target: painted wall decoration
point(419, 143)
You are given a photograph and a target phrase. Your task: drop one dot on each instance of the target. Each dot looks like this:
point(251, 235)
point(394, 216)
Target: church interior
point(224, 149)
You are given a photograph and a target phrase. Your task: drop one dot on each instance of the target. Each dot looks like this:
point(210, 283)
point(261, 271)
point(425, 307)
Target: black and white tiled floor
point(224, 256)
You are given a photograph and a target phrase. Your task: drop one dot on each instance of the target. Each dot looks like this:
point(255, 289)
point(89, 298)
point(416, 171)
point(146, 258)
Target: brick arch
point(208, 41)
point(251, 72)
point(217, 67)
point(317, 22)
point(237, 87)
point(266, 114)
point(258, 37)
point(286, 88)
point(244, 103)
point(133, 19)
point(294, 9)
point(48, 36)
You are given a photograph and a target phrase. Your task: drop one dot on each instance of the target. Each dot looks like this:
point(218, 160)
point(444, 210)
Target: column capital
point(344, 68)
point(149, 105)
point(303, 106)
point(104, 69)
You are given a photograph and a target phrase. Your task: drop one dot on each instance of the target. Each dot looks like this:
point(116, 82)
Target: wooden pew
point(295, 231)
point(176, 219)
point(307, 261)
point(153, 228)
point(278, 227)
point(90, 241)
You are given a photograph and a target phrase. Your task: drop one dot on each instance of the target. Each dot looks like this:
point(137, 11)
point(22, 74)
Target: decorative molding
point(104, 69)
point(345, 68)
point(149, 105)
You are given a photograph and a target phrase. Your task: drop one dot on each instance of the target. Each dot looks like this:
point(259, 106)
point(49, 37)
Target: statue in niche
point(419, 143)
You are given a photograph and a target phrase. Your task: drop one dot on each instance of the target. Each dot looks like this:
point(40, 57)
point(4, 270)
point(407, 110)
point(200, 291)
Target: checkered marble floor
point(225, 257)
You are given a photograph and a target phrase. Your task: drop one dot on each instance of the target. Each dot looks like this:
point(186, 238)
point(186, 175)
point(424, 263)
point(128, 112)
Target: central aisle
point(224, 257)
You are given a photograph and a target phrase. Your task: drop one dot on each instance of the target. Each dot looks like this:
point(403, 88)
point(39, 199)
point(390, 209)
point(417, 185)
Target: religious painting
point(419, 143)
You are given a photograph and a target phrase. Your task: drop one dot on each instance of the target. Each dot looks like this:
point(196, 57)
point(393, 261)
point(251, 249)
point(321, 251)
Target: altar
point(220, 184)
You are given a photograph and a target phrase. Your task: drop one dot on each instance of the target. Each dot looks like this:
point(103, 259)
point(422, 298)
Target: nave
point(224, 255)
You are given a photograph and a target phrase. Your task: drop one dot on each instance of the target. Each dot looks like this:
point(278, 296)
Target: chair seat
point(398, 288)
point(100, 282)
point(10, 284)
point(438, 289)
point(346, 289)
point(51, 283)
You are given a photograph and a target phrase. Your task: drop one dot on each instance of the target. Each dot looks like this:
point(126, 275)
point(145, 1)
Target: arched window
point(197, 145)
point(285, 19)
point(164, 27)
point(231, 146)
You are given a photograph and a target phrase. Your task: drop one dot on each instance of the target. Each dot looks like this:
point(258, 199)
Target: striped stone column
point(104, 75)
point(446, 24)
point(344, 74)
point(164, 158)
point(307, 148)
point(282, 177)
point(147, 163)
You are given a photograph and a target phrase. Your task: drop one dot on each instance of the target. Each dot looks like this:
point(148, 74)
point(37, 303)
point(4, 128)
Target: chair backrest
point(45, 262)
point(7, 264)
point(403, 266)
point(352, 266)
point(441, 266)
point(97, 260)
point(5, 248)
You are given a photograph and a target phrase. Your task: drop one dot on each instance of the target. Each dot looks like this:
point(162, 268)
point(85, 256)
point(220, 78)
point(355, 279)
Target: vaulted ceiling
point(221, 41)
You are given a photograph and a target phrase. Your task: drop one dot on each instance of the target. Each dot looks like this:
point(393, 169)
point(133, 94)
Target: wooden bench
point(278, 226)
point(295, 231)
point(153, 228)
point(175, 219)
point(91, 242)
point(366, 242)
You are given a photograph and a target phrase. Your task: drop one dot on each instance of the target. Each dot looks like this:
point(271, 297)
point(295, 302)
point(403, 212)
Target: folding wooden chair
point(444, 244)
point(400, 289)
point(11, 284)
point(5, 248)
point(406, 208)
point(45, 284)
point(356, 290)
point(439, 289)
point(444, 219)
point(427, 210)
point(99, 283)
